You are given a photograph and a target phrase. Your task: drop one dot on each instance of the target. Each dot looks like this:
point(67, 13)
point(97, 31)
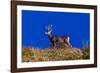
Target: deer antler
point(49, 27)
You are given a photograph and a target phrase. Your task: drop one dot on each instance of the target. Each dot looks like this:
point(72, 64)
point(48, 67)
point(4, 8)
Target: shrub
point(54, 54)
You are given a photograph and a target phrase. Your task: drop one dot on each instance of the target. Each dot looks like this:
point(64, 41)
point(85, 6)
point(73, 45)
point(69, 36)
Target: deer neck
point(49, 35)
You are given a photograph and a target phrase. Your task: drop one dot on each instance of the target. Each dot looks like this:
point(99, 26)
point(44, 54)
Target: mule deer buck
point(57, 41)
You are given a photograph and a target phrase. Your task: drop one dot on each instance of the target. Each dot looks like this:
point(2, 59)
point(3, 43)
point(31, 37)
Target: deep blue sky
point(76, 25)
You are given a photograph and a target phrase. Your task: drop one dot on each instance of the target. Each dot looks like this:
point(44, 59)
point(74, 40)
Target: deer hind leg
point(67, 43)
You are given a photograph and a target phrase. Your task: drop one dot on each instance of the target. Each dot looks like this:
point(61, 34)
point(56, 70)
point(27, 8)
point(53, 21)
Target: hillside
point(54, 54)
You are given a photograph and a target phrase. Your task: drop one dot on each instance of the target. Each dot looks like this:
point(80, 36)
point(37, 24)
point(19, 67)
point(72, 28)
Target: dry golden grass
point(54, 54)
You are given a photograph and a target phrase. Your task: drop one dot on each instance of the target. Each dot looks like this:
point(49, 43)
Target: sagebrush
point(54, 54)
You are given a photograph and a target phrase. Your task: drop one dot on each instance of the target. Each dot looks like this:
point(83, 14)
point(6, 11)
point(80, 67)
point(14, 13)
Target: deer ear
point(45, 33)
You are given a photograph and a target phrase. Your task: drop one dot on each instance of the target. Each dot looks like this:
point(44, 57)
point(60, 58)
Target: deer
point(57, 41)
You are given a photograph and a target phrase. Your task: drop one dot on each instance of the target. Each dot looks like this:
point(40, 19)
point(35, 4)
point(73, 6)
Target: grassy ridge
point(54, 54)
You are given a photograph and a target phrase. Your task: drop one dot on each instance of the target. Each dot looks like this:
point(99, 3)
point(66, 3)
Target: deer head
point(48, 30)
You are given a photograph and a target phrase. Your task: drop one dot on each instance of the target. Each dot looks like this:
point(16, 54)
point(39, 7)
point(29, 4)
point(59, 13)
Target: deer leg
point(54, 45)
point(67, 43)
point(62, 45)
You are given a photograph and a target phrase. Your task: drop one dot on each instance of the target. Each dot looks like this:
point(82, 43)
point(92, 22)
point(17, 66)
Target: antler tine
point(49, 27)
point(46, 27)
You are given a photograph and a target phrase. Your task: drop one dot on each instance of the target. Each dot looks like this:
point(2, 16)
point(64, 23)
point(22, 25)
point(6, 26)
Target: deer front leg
point(54, 45)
